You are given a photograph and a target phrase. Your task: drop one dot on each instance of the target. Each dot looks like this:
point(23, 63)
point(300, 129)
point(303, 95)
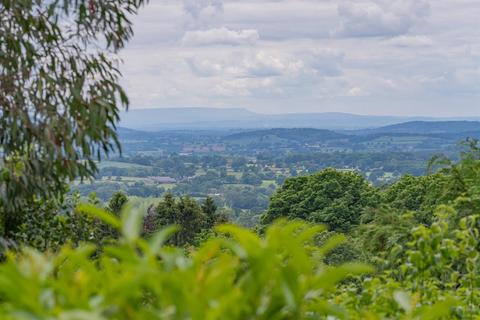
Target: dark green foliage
point(48, 225)
point(412, 201)
point(209, 209)
point(237, 275)
point(420, 194)
point(463, 178)
point(60, 95)
point(117, 203)
point(186, 213)
point(382, 229)
point(332, 197)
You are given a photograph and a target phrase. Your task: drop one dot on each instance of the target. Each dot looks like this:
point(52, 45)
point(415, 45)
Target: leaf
point(103, 215)
point(332, 242)
point(132, 219)
point(328, 278)
point(160, 237)
point(404, 300)
point(437, 311)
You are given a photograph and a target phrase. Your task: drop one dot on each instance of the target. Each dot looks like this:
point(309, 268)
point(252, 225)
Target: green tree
point(190, 220)
point(60, 94)
point(382, 229)
point(419, 194)
point(333, 197)
point(436, 275)
point(117, 202)
point(167, 211)
point(209, 209)
point(185, 212)
point(462, 187)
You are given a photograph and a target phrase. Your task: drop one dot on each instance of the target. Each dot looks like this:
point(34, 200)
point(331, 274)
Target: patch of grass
point(267, 183)
point(121, 165)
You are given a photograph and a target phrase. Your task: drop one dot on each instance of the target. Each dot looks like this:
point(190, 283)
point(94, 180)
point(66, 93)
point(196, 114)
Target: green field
point(267, 183)
point(121, 165)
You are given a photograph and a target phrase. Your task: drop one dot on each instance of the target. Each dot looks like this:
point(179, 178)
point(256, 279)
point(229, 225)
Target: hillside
point(426, 127)
point(157, 119)
point(171, 118)
point(428, 136)
point(303, 135)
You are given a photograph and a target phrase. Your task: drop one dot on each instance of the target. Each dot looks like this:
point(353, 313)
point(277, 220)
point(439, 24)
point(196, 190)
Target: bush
point(237, 275)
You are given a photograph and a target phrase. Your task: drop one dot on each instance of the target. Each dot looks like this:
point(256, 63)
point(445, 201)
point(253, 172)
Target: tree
point(189, 215)
point(185, 213)
point(60, 96)
point(190, 219)
point(117, 203)
point(333, 197)
point(167, 211)
point(209, 209)
point(382, 229)
point(462, 183)
point(420, 194)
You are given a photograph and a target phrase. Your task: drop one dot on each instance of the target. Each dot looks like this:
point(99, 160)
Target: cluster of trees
point(332, 197)
point(398, 163)
point(106, 189)
point(238, 274)
point(377, 219)
point(194, 220)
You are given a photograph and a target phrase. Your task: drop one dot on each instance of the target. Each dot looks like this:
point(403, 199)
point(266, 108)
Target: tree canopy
point(61, 95)
point(335, 198)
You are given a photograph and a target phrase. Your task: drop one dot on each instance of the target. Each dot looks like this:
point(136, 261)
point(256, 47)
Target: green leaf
point(160, 237)
point(404, 300)
point(103, 215)
point(131, 219)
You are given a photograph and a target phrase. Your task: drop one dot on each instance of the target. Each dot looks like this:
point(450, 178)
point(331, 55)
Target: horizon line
point(306, 113)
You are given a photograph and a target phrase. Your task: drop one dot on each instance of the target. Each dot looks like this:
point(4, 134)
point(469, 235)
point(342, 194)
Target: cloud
point(325, 62)
point(221, 36)
point(199, 8)
point(380, 17)
point(257, 64)
point(410, 41)
point(356, 92)
point(245, 87)
point(270, 63)
point(393, 56)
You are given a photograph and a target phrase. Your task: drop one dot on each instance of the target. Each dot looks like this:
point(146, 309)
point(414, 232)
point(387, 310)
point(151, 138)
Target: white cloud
point(380, 17)
point(356, 92)
point(269, 63)
point(393, 56)
point(266, 64)
point(221, 36)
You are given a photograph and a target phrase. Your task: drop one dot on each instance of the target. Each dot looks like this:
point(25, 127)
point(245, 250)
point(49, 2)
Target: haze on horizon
point(377, 57)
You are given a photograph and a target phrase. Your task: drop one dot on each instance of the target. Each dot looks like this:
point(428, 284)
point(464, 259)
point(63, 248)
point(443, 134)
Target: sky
point(378, 57)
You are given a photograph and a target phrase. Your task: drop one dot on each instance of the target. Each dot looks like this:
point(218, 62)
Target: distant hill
point(238, 118)
point(180, 118)
point(302, 135)
point(425, 127)
point(429, 137)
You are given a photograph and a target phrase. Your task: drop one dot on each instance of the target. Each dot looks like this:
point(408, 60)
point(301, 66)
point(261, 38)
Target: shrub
point(237, 275)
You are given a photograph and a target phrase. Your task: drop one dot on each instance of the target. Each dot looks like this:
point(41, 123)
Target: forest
point(233, 233)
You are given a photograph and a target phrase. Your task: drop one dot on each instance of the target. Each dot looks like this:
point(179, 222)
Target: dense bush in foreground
point(234, 276)
point(239, 275)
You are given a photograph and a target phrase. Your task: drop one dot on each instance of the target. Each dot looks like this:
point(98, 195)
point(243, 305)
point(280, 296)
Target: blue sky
point(396, 57)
